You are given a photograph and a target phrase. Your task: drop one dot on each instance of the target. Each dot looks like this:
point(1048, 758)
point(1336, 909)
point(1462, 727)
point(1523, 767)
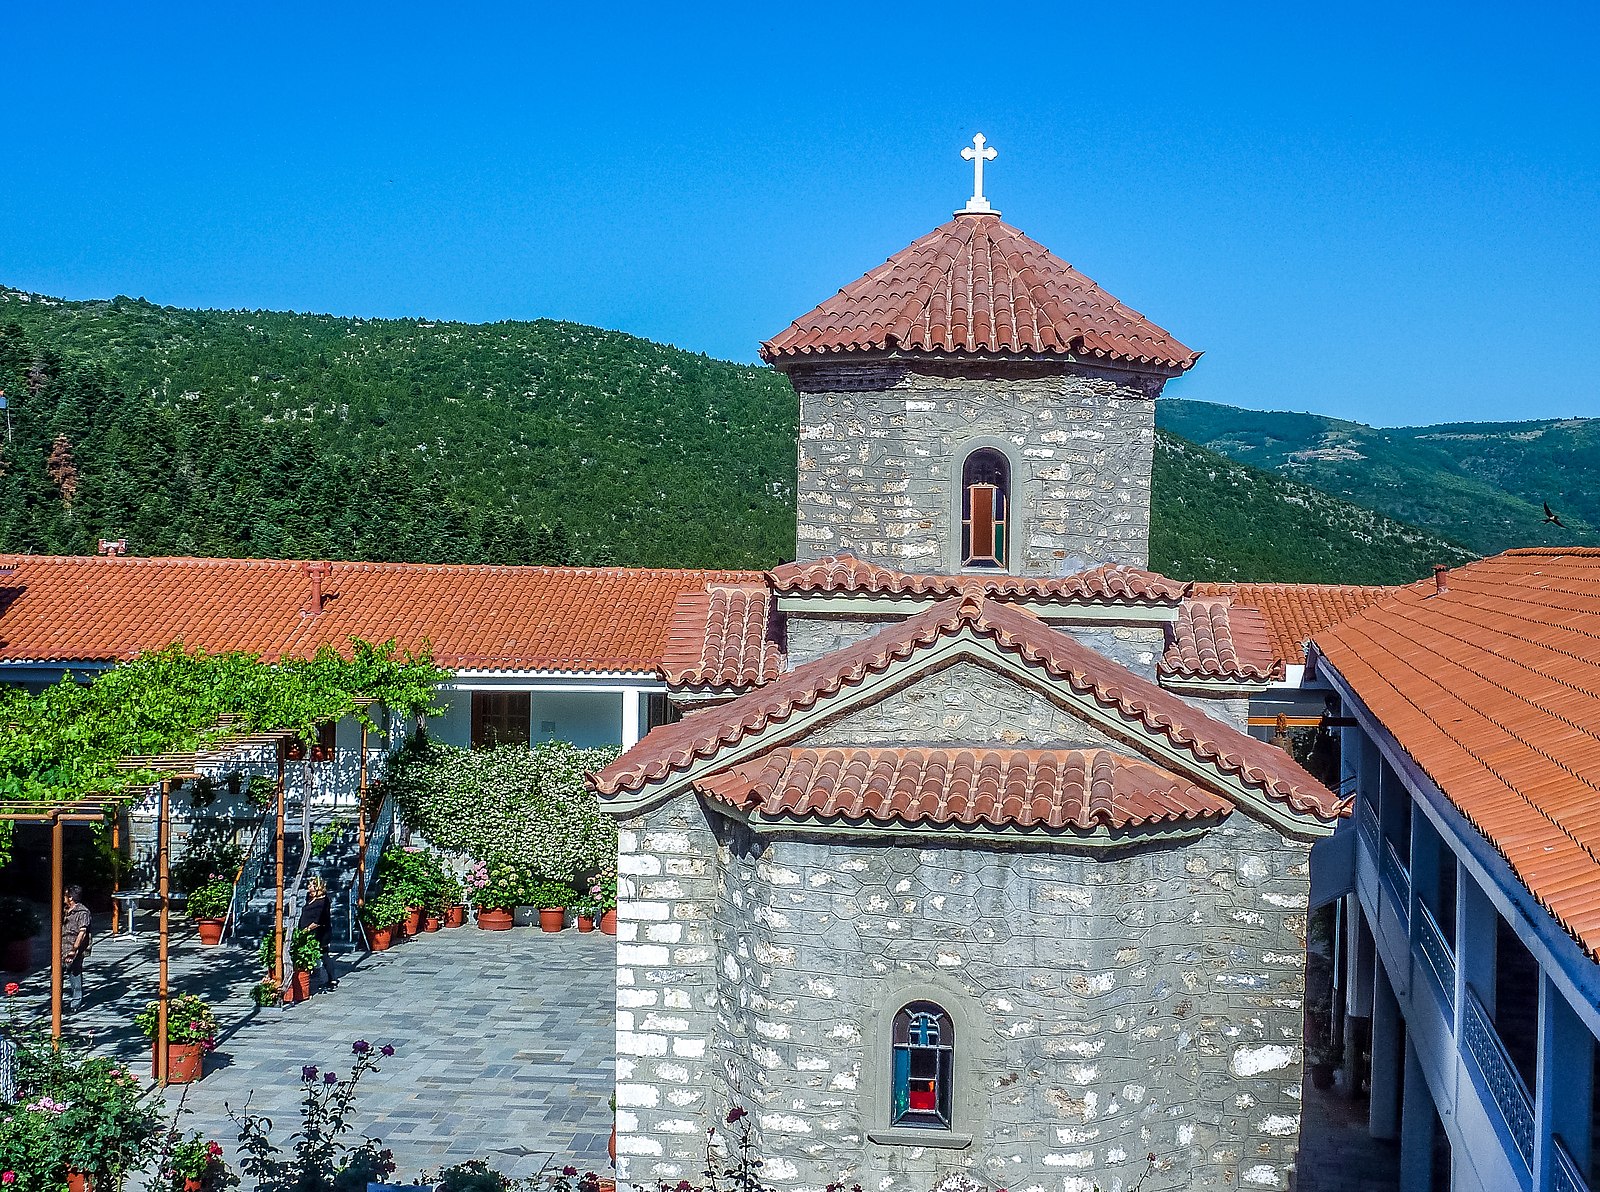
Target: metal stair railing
point(379, 833)
point(248, 879)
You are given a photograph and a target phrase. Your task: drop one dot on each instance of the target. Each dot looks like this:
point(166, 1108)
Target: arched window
point(985, 509)
point(924, 1055)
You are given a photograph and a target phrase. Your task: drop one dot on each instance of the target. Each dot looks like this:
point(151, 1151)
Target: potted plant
point(551, 898)
point(454, 913)
point(19, 923)
point(495, 889)
point(208, 907)
point(586, 918)
point(261, 792)
point(265, 992)
point(195, 1164)
point(472, 1176)
point(380, 915)
point(604, 893)
point(191, 1032)
point(305, 954)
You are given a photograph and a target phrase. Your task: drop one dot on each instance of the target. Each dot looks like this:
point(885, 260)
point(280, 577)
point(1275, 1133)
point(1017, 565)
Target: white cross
point(978, 153)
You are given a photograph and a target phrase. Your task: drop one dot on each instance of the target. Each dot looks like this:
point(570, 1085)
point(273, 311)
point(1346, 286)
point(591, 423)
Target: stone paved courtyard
point(504, 1040)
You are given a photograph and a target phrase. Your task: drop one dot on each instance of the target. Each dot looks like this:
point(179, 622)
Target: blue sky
point(1386, 213)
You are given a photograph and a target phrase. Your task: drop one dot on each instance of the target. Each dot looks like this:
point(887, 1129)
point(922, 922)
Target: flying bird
point(1551, 518)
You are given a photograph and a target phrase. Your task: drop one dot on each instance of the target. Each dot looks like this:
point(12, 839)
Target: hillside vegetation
point(1481, 484)
point(308, 436)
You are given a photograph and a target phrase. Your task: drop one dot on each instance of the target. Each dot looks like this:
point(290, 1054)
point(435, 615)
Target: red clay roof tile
point(94, 609)
point(844, 574)
point(976, 285)
point(1213, 638)
point(1295, 612)
point(1493, 688)
point(1039, 789)
point(722, 636)
point(1143, 706)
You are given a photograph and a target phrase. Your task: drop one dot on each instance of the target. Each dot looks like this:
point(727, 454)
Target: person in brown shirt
point(74, 943)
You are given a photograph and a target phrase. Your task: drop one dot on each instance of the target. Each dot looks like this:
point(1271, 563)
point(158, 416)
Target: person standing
point(75, 940)
point(316, 917)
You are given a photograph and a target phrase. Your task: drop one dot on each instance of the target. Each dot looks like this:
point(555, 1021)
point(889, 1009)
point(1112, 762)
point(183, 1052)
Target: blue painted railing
point(1399, 880)
point(1367, 822)
point(1500, 1078)
point(1564, 1173)
point(1436, 951)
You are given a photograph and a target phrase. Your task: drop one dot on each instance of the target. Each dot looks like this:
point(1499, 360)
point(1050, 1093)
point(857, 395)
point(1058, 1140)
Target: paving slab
point(504, 1040)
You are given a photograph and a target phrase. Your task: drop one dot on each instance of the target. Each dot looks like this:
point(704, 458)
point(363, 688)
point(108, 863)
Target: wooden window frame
point(501, 718)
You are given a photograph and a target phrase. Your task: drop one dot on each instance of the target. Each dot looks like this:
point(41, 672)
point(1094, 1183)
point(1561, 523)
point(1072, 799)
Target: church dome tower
point(975, 404)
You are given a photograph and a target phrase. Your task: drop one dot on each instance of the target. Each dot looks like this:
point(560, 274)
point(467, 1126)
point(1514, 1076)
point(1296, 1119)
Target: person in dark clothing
point(316, 915)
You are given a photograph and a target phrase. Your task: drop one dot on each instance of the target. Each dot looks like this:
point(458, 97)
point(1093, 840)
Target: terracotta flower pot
point(585, 923)
point(608, 921)
point(611, 1147)
point(19, 956)
point(191, 1184)
point(455, 916)
point(210, 931)
point(414, 920)
point(380, 938)
point(300, 986)
point(185, 1062)
point(432, 922)
point(495, 920)
point(552, 918)
point(79, 1181)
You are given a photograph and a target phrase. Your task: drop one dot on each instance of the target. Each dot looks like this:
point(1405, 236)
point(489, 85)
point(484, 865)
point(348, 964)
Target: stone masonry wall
point(808, 636)
point(881, 451)
point(1143, 1001)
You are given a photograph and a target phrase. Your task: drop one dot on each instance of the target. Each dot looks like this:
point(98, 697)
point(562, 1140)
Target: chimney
point(1441, 579)
point(317, 573)
point(117, 546)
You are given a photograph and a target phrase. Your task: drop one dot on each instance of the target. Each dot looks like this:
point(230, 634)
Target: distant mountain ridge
point(310, 436)
point(1483, 484)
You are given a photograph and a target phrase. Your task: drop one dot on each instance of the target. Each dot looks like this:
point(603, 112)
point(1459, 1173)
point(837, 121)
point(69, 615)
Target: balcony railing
point(1436, 951)
point(1505, 1087)
point(1564, 1174)
point(1367, 822)
point(1399, 881)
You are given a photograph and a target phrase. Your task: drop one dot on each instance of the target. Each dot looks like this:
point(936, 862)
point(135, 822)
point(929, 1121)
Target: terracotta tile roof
point(844, 574)
point(976, 285)
point(1214, 638)
point(102, 609)
point(1296, 612)
point(1493, 688)
point(722, 636)
point(1143, 707)
point(1060, 789)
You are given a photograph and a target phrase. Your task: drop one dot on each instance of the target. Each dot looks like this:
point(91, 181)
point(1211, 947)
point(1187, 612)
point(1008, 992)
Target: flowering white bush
point(510, 805)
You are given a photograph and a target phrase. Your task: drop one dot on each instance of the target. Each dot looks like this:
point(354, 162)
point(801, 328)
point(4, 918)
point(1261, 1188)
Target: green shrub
point(189, 1020)
point(509, 804)
point(549, 895)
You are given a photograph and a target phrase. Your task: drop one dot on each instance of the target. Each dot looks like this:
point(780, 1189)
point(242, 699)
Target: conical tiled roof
point(977, 286)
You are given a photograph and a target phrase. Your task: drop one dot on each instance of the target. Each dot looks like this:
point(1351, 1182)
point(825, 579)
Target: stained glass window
point(985, 509)
point(924, 1053)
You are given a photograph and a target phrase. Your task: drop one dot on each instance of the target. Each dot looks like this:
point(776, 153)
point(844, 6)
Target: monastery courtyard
point(503, 1044)
point(503, 1040)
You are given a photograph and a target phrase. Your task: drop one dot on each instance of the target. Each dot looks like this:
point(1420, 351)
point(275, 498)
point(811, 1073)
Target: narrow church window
point(985, 509)
point(924, 1049)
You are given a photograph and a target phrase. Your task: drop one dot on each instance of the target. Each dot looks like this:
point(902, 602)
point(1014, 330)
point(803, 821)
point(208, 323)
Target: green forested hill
point(1481, 484)
point(271, 434)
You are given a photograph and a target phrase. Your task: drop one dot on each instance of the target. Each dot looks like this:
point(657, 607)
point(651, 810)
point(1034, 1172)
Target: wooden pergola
point(56, 818)
point(179, 767)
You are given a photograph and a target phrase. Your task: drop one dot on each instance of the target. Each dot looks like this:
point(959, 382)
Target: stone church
point(960, 860)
